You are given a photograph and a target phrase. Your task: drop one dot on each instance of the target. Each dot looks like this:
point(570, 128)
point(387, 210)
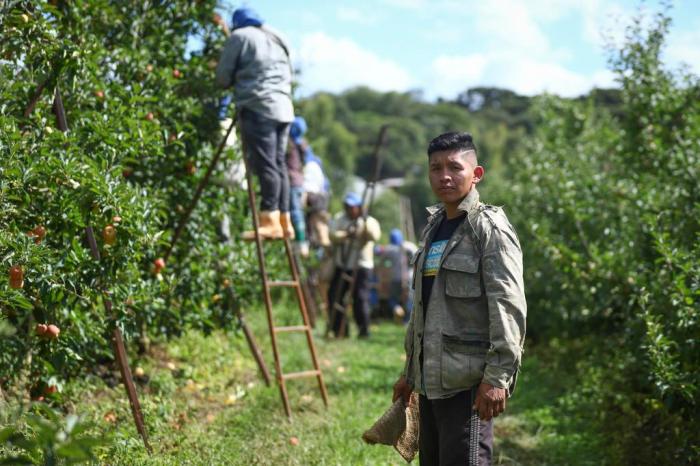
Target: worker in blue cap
point(295, 167)
point(255, 62)
point(353, 241)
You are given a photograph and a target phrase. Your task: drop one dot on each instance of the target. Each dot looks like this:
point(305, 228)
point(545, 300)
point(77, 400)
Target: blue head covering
point(396, 237)
point(297, 129)
point(243, 17)
point(352, 200)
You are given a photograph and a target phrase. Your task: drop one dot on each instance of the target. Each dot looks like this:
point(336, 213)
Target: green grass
point(205, 403)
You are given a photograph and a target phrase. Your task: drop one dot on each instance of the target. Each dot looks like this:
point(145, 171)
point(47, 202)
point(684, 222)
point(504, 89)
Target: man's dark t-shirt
point(434, 253)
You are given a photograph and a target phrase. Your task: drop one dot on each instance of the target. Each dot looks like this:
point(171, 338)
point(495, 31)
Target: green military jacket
point(474, 329)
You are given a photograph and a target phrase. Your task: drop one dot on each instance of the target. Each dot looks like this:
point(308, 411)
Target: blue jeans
point(296, 211)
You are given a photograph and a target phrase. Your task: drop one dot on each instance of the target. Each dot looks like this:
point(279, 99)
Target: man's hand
point(490, 401)
point(219, 21)
point(402, 389)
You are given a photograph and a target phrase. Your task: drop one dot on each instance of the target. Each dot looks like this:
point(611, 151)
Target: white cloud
point(684, 47)
point(530, 76)
point(335, 64)
point(410, 4)
point(514, 48)
point(507, 24)
point(522, 74)
point(605, 23)
point(454, 74)
point(353, 15)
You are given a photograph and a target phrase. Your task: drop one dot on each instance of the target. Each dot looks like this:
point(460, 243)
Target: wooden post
point(250, 338)
point(118, 342)
point(200, 189)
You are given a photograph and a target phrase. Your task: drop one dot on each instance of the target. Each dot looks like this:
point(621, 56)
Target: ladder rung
point(263, 238)
point(346, 277)
point(296, 375)
point(289, 283)
point(292, 328)
point(339, 307)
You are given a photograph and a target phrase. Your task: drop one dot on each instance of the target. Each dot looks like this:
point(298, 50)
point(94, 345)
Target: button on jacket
point(474, 326)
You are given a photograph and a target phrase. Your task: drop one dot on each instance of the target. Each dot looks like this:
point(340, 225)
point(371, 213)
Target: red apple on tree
point(149, 116)
point(16, 277)
point(41, 329)
point(172, 138)
point(38, 233)
point(52, 332)
point(158, 265)
point(176, 73)
point(149, 68)
point(109, 235)
point(99, 94)
point(190, 168)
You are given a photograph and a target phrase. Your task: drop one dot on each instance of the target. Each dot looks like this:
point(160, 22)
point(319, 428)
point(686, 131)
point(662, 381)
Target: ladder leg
point(305, 317)
point(263, 275)
point(255, 350)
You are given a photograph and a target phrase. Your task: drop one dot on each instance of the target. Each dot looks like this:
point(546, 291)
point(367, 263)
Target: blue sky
point(445, 46)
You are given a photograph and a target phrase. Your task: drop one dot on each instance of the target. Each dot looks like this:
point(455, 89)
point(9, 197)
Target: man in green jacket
point(465, 337)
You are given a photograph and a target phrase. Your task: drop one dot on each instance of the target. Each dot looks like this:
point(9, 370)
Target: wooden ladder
point(294, 283)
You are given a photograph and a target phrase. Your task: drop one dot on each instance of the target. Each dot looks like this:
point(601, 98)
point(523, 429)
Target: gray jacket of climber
point(475, 328)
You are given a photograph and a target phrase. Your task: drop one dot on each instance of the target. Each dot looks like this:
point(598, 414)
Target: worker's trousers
point(447, 432)
point(266, 145)
point(360, 300)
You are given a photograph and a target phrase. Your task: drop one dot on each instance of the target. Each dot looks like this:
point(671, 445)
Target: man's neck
point(452, 210)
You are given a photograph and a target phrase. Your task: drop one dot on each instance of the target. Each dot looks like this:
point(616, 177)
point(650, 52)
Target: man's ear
point(478, 174)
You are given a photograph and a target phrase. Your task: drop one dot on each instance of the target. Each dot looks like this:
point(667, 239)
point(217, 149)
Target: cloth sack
point(398, 427)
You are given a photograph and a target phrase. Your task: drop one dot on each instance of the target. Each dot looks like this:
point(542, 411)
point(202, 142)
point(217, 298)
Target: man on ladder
point(353, 241)
point(255, 60)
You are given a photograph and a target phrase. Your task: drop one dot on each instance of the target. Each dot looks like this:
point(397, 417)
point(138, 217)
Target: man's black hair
point(452, 141)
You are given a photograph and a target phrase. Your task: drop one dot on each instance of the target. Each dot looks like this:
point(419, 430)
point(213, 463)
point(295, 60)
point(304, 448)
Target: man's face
point(452, 175)
point(352, 211)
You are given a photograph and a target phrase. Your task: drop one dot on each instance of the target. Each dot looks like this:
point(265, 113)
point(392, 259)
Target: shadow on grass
point(539, 427)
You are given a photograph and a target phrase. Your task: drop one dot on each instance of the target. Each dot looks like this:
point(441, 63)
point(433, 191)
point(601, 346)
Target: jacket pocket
point(462, 277)
point(463, 362)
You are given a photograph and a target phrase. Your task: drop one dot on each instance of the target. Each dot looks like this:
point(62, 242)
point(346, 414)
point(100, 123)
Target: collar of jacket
point(469, 203)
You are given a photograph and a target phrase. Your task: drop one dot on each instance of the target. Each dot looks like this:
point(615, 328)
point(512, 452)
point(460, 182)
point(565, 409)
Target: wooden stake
point(118, 342)
point(200, 189)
